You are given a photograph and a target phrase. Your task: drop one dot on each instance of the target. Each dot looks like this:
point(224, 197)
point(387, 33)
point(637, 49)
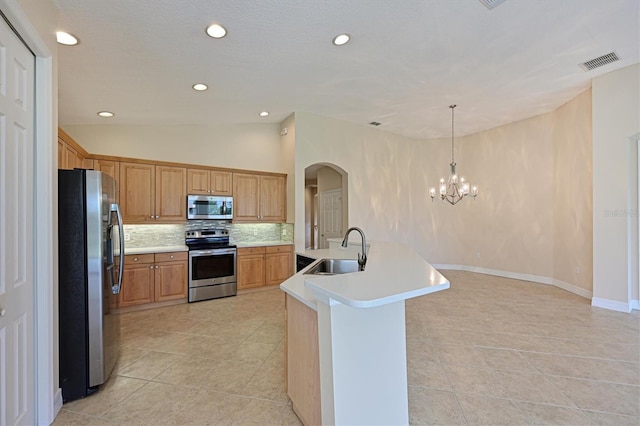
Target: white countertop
point(393, 272)
point(263, 243)
point(160, 249)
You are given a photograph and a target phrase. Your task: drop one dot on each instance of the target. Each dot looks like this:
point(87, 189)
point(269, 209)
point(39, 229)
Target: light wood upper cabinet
point(70, 154)
point(246, 199)
point(171, 198)
point(137, 192)
point(259, 198)
point(221, 183)
point(209, 182)
point(273, 204)
point(111, 168)
point(152, 194)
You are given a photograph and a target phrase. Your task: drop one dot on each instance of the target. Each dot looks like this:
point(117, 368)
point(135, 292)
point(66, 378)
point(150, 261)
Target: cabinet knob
point(157, 267)
point(171, 256)
point(135, 259)
point(3, 312)
point(151, 267)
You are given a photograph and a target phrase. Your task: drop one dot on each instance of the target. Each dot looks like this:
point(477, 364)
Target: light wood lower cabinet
point(152, 278)
point(260, 266)
point(302, 361)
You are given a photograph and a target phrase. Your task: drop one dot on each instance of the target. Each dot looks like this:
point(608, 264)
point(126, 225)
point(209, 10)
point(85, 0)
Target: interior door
point(330, 216)
point(17, 333)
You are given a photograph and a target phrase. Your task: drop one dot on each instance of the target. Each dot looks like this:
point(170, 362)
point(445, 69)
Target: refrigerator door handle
point(116, 208)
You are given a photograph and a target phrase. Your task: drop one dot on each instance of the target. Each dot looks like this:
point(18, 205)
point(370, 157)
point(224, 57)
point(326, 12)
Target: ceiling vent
point(375, 123)
point(491, 4)
point(599, 61)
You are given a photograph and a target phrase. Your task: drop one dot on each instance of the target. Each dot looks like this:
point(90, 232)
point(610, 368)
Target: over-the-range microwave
point(209, 207)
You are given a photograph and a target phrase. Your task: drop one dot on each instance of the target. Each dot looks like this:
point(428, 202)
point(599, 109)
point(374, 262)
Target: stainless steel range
point(212, 264)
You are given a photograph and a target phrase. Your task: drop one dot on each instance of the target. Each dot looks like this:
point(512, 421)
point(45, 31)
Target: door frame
point(48, 397)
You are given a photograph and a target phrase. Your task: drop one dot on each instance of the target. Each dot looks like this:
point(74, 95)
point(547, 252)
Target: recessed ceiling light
point(106, 114)
point(216, 31)
point(66, 38)
point(264, 113)
point(341, 39)
point(200, 87)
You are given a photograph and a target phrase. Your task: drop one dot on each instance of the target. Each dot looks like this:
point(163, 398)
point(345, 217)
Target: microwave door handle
point(116, 208)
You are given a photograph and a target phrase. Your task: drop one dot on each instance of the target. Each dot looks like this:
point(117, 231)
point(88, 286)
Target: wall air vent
point(375, 123)
point(491, 4)
point(599, 61)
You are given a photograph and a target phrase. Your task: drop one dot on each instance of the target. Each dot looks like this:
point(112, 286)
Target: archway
point(326, 204)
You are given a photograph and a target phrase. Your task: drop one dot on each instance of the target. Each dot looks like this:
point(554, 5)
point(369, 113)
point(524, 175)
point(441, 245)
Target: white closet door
point(17, 361)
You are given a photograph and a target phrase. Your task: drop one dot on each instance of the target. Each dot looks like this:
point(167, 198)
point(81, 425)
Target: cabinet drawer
point(280, 249)
point(250, 250)
point(132, 259)
point(168, 257)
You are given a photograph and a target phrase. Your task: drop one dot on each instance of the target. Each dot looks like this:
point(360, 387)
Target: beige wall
point(241, 146)
point(616, 119)
point(573, 192)
point(509, 227)
point(523, 222)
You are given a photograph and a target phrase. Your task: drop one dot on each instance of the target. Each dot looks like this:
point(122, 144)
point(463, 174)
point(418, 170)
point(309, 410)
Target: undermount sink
point(334, 266)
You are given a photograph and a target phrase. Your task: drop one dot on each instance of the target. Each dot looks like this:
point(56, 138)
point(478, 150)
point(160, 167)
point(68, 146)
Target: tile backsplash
point(141, 236)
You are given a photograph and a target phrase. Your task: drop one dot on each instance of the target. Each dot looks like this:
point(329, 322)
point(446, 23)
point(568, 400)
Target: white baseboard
point(612, 305)
point(518, 276)
point(635, 304)
point(573, 289)
point(57, 402)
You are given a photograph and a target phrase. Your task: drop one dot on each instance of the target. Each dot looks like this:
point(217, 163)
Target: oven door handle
point(213, 252)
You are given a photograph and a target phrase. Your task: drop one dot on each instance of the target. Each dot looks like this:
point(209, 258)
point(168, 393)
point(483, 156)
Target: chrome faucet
point(362, 259)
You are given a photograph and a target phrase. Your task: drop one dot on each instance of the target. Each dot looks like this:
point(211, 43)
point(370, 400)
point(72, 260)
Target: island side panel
point(303, 370)
point(363, 364)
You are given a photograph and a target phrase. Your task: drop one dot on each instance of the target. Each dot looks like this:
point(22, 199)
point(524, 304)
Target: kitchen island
point(346, 339)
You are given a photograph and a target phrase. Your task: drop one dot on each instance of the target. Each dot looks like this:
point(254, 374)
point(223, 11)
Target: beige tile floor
point(488, 351)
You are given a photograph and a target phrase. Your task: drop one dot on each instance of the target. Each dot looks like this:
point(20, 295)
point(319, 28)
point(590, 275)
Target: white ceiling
point(406, 63)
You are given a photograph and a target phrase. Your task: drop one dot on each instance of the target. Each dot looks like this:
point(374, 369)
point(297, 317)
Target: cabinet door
point(171, 196)
point(137, 195)
point(198, 181)
point(273, 201)
point(278, 267)
point(137, 284)
point(246, 197)
point(221, 183)
point(61, 158)
point(72, 159)
point(111, 168)
point(170, 280)
point(250, 271)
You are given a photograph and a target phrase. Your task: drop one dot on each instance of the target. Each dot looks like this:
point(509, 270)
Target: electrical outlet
point(255, 232)
point(284, 232)
point(127, 237)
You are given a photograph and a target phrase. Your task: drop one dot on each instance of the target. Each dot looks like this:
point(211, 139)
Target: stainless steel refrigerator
point(90, 241)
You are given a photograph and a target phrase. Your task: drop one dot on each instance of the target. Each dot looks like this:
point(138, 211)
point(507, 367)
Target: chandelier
point(456, 187)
